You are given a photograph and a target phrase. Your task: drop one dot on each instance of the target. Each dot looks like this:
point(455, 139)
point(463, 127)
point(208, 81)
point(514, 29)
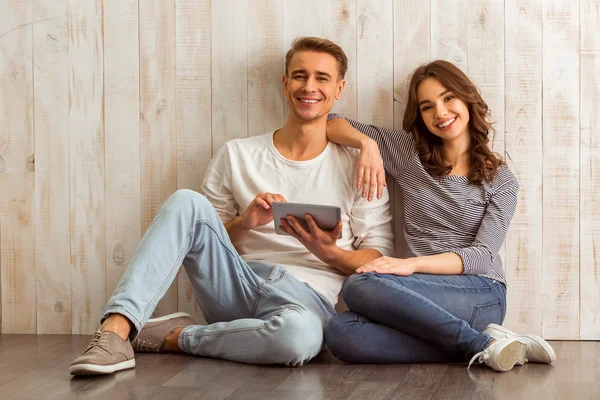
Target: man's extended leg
point(187, 229)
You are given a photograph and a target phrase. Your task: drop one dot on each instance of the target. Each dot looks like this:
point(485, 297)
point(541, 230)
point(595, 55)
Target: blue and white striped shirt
point(447, 214)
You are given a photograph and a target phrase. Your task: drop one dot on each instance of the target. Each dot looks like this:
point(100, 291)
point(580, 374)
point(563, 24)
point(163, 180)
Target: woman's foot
point(538, 350)
point(502, 355)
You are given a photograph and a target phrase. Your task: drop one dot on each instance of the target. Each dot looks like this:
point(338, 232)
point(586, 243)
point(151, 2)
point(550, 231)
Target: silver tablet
point(326, 217)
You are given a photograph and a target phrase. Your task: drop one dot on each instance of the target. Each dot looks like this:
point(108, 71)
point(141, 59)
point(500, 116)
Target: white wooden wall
point(109, 106)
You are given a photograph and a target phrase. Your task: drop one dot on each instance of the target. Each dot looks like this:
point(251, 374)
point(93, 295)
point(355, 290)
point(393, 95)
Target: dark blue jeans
point(415, 319)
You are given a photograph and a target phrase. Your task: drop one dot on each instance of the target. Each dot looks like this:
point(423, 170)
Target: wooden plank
point(53, 243)
point(375, 62)
point(339, 25)
point(375, 73)
point(300, 18)
point(589, 14)
point(449, 31)
point(485, 66)
point(265, 66)
point(524, 259)
point(122, 132)
point(412, 47)
point(560, 22)
point(86, 129)
point(590, 171)
point(193, 92)
point(158, 117)
point(34, 375)
point(229, 71)
point(17, 176)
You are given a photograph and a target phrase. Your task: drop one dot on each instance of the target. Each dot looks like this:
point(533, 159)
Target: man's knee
point(299, 338)
point(186, 200)
point(187, 196)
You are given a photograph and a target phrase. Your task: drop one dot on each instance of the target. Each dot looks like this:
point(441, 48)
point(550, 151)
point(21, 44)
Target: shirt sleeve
point(397, 147)
point(479, 257)
point(217, 185)
point(371, 224)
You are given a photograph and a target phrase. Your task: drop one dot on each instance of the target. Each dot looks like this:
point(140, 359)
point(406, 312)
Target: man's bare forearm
point(235, 229)
point(347, 261)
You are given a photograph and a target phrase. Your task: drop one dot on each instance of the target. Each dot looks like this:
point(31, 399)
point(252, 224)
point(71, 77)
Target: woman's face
point(444, 114)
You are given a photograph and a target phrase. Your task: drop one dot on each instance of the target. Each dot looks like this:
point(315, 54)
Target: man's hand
point(390, 265)
point(321, 243)
point(260, 212)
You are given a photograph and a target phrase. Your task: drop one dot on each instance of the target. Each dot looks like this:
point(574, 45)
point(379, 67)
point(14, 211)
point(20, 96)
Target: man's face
point(312, 84)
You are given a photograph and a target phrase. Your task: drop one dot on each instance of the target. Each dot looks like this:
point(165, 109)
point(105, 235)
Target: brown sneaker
point(156, 330)
point(106, 353)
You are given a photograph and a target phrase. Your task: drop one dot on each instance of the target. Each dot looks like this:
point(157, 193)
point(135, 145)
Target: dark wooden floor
point(36, 367)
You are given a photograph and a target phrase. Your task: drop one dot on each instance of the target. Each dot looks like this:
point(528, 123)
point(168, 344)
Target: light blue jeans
point(415, 319)
point(256, 312)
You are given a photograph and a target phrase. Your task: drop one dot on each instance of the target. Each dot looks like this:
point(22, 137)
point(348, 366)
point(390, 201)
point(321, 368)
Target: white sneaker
point(538, 350)
point(502, 355)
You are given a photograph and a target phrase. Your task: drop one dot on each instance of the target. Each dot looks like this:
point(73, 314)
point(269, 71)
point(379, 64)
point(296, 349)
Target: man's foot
point(538, 350)
point(106, 353)
point(154, 333)
point(502, 355)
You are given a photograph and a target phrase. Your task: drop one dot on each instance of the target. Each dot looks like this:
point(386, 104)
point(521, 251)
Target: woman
point(446, 298)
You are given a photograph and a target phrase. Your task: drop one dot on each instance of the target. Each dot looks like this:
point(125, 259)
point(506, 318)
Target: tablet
point(326, 217)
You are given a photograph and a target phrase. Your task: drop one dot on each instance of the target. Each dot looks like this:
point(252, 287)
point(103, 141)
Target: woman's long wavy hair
point(483, 163)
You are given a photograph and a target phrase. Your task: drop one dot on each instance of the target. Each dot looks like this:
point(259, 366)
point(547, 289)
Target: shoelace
point(483, 355)
point(145, 347)
point(99, 339)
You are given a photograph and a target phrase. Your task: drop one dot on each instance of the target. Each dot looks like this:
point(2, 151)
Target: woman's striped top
point(447, 214)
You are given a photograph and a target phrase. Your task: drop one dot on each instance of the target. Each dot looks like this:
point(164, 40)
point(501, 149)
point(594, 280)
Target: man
point(266, 297)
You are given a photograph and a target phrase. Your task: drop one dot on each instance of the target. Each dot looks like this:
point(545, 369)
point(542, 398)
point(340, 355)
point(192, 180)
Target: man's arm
point(259, 212)
point(217, 186)
point(323, 245)
point(347, 261)
point(235, 229)
point(370, 223)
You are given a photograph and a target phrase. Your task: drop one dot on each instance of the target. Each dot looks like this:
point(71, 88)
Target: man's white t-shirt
point(243, 168)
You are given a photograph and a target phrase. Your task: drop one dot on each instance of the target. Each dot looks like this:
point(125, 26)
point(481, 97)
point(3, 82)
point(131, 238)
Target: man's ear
point(340, 88)
point(284, 80)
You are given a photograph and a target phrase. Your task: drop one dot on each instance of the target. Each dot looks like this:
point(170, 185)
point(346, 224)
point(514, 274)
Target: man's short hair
point(318, 45)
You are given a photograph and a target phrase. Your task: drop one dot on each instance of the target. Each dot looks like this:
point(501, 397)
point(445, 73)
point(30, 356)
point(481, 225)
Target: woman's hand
point(390, 265)
point(370, 173)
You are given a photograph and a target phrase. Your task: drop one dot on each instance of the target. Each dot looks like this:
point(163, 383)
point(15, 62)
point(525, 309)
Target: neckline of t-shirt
point(457, 178)
point(299, 164)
